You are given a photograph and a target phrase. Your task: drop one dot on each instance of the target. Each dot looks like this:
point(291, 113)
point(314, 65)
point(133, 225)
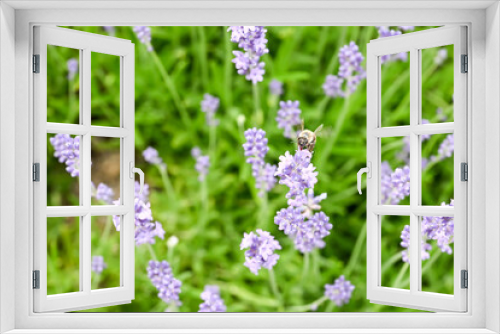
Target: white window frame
point(86, 43)
point(413, 43)
point(484, 103)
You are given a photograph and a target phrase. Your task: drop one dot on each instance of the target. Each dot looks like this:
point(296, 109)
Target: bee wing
point(302, 125)
point(318, 129)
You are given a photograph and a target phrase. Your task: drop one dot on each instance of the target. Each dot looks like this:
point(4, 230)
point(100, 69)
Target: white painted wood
point(7, 166)
point(86, 43)
point(492, 186)
point(413, 43)
point(471, 322)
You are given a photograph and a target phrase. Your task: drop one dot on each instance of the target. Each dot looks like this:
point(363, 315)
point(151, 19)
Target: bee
point(307, 139)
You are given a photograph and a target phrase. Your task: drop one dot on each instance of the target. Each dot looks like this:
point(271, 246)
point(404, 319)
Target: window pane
point(63, 169)
point(105, 170)
point(395, 240)
point(395, 81)
point(105, 263)
point(395, 171)
point(437, 84)
point(63, 254)
point(63, 85)
point(105, 91)
point(437, 254)
point(437, 169)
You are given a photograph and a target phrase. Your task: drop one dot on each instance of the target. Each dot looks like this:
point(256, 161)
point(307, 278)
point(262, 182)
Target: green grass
point(169, 85)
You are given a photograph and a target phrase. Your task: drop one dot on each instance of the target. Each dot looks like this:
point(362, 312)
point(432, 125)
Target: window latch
point(368, 171)
point(134, 170)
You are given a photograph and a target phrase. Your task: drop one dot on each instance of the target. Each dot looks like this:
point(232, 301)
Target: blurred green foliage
point(198, 61)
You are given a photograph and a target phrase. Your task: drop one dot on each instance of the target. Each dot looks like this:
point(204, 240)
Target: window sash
point(86, 43)
point(413, 42)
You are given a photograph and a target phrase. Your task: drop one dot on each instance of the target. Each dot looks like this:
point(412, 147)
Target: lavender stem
point(274, 288)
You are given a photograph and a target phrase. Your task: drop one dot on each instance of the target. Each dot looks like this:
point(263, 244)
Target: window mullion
point(85, 180)
point(414, 171)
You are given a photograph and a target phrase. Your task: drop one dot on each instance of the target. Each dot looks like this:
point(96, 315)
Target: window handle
point(368, 171)
point(134, 170)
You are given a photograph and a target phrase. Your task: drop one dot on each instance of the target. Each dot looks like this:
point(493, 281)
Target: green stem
point(151, 251)
point(330, 307)
point(402, 272)
point(212, 134)
point(360, 241)
point(228, 69)
point(308, 307)
point(202, 53)
point(168, 185)
point(204, 205)
point(95, 281)
point(169, 84)
point(339, 124)
point(258, 115)
point(305, 268)
point(262, 222)
point(274, 288)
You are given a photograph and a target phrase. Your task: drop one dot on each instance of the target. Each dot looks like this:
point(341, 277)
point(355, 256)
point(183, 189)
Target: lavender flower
point(151, 155)
point(333, 86)
point(288, 117)
point(212, 302)
point(339, 292)
point(195, 152)
point(146, 234)
point(109, 29)
point(264, 177)
point(261, 250)
point(145, 192)
point(441, 56)
point(407, 28)
point(395, 186)
point(440, 229)
point(289, 220)
point(297, 172)
point(307, 203)
point(387, 32)
point(311, 233)
point(209, 106)
point(405, 243)
point(446, 148)
point(255, 150)
point(276, 87)
point(256, 146)
point(350, 69)
point(145, 229)
point(252, 39)
point(307, 234)
point(72, 68)
point(98, 265)
point(104, 193)
point(202, 165)
point(67, 150)
point(144, 35)
point(169, 288)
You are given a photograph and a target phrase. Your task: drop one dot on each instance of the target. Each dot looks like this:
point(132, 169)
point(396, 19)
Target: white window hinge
point(36, 172)
point(36, 63)
point(464, 171)
point(465, 64)
point(464, 279)
point(36, 279)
